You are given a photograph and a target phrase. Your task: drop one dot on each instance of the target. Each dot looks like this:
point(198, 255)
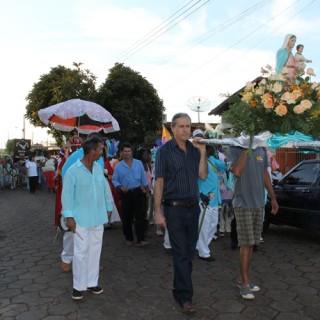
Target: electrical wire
point(260, 41)
point(222, 27)
point(233, 45)
point(160, 32)
point(150, 33)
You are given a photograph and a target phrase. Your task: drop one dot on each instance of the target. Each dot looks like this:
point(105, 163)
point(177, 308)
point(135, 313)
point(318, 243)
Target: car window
point(305, 174)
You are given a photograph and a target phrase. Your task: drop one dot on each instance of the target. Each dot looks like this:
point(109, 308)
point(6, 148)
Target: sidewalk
point(137, 281)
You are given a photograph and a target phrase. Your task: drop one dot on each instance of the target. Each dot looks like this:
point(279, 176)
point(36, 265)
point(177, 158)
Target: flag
point(166, 136)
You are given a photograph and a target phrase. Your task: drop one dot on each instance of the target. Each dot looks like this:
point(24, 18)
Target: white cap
point(197, 132)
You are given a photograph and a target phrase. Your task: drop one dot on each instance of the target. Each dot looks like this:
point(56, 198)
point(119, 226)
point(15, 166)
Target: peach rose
point(266, 96)
point(281, 110)
point(268, 103)
point(306, 104)
point(286, 96)
point(298, 109)
point(295, 94)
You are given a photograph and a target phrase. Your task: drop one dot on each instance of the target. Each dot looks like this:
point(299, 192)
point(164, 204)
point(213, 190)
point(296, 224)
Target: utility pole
point(24, 127)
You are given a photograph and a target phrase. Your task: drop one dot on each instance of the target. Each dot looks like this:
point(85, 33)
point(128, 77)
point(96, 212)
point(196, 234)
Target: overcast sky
point(186, 49)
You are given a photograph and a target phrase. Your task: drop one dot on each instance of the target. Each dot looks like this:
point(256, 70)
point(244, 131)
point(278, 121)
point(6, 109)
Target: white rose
point(277, 87)
point(249, 86)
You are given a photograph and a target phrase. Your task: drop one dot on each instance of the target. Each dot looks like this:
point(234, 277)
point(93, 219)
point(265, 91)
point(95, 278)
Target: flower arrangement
point(276, 104)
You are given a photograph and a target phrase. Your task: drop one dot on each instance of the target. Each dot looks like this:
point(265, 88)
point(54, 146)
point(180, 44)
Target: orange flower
point(281, 110)
point(268, 103)
point(253, 103)
point(266, 96)
point(304, 86)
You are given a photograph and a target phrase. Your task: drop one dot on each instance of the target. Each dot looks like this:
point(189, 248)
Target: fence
point(289, 157)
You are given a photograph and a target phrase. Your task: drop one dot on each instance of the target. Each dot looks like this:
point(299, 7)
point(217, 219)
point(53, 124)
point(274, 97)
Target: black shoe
point(208, 259)
point(76, 295)
point(168, 251)
point(95, 290)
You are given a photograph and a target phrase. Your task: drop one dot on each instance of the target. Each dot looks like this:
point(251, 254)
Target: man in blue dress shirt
point(130, 179)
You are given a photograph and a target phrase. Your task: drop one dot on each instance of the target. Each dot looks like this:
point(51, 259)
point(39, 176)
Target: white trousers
point(115, 217)
point(166, 242)
point(67, 251)
point(86, 259)
point(208, 229)
point(226, 216)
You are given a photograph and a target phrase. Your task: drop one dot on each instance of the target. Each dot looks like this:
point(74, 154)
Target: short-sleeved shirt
point(32, 168)
point(179, 169)
point(249, 191)
point(211, 184)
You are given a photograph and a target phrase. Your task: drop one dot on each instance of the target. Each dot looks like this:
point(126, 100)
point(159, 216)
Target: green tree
point(10, 147)
point(133, 101)
point(59, 85)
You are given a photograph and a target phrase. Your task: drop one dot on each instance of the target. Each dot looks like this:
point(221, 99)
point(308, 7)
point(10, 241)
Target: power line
point(141, 40)
point(264, 38)
point(222, 27)
point(236, 43)
point(155, 35)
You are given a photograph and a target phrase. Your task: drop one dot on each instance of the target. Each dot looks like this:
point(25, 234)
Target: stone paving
point(137, 281)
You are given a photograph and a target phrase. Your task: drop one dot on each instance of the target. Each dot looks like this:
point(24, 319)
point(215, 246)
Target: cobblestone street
point(137, 281)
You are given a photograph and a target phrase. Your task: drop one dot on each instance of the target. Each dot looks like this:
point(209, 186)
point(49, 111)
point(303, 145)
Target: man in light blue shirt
point(67, 252)
point(86, 200)
point(130, 179)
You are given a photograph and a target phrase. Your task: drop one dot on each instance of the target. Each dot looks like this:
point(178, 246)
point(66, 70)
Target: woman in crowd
point(49, 170)
point(32, 173)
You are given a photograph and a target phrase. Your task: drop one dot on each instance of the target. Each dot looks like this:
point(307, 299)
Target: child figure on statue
point(300, 59)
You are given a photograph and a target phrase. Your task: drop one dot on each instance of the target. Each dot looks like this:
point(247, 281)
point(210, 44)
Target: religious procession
point(192, 187)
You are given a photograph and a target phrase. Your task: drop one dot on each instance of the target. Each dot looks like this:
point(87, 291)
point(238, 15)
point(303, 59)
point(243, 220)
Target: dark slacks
point(133, 205)
point(182, 224)
point(33, 182)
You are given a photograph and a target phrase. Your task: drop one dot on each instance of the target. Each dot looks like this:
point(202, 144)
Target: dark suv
point(298, 196)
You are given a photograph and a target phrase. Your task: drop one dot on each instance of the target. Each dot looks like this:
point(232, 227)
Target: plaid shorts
point(249, 225)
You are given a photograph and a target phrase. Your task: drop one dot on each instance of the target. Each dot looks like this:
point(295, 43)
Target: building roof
point(224, 106)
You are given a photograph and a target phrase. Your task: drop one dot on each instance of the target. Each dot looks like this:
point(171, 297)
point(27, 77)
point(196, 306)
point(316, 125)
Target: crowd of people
point(192, 192)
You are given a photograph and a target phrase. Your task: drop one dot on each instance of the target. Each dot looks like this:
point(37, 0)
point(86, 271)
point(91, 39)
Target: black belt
point(134, 189)
point(182, 204)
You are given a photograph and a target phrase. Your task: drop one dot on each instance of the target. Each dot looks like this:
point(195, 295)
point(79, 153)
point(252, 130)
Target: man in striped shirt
point(179, 164)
